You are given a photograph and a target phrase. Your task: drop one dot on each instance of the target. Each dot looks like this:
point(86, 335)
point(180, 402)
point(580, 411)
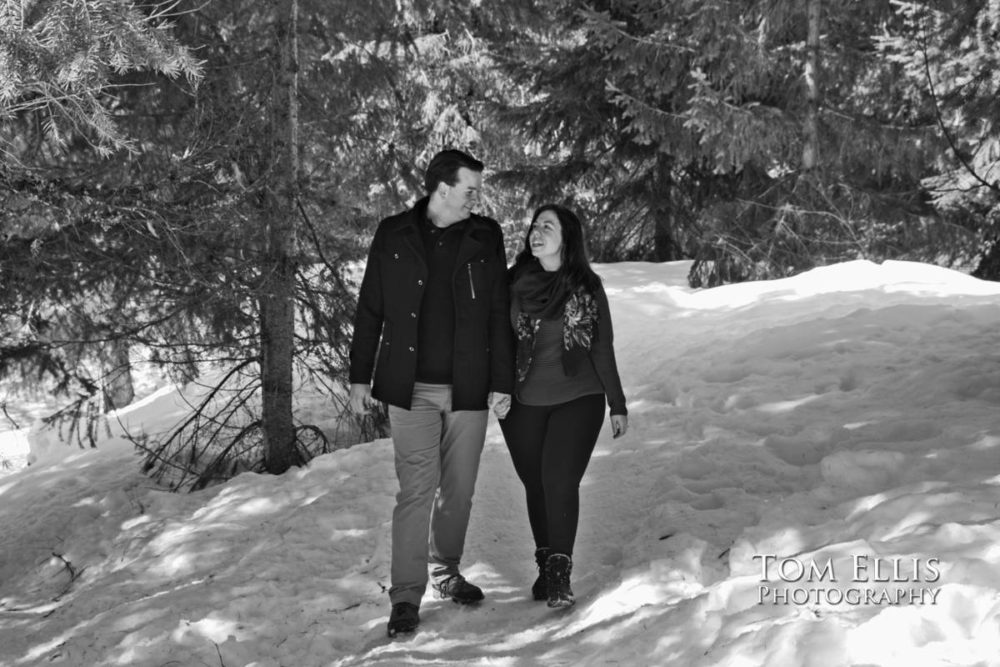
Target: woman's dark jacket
point(387, 318)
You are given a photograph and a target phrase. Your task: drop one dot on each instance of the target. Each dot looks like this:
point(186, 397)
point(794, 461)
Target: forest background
point(190, 187)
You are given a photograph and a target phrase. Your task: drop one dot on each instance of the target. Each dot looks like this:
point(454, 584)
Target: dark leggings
point(550, 446)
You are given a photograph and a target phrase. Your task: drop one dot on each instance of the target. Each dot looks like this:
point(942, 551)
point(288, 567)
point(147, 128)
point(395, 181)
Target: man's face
point(461, 198)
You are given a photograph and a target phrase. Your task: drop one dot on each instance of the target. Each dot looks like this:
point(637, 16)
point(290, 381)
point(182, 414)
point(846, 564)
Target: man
point(432, 327)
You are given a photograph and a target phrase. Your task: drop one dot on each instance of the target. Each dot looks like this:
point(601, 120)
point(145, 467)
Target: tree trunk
point(118, 388)
point(665, 246)
point(989, 264)
point(277, 310)
point(810, 129)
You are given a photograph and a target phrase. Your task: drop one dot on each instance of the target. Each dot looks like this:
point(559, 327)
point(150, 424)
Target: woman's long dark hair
point(575, 271)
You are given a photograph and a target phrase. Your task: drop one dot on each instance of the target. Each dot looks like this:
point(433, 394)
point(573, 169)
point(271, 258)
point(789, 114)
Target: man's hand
point(500, 402)
point(619, 424)
point(360, 400)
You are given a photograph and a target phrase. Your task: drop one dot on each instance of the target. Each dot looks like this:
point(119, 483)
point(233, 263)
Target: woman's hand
point(500, 403)
point(619, 424)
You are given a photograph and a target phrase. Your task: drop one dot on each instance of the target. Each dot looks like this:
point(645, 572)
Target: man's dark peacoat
point(387, 319)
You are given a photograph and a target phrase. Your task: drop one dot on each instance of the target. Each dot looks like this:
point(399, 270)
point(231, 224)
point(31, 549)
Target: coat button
point(420, 282)
point(413, 314)
point(411, 348)
point(395, 255)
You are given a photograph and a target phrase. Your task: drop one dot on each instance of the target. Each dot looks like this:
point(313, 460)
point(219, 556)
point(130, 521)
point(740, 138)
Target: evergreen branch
point(616, 28)
point(940, 119)
point(216, 464)
point(205, 401)
point(139, 444)
point(13, 422)
point(314, 235)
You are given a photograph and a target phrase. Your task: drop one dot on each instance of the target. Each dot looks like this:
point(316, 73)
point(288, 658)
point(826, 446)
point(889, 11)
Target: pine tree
point(237, 214)
point(949, 59)
point(760, 138)
point(61, 65)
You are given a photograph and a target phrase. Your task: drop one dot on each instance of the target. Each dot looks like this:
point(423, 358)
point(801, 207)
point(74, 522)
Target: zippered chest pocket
point(476, 275)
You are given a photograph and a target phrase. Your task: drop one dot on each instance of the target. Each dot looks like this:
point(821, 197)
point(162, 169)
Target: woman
point(565, 369)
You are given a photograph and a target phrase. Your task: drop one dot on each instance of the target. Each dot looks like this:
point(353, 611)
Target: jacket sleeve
point(603, 356)
point(368, 317)
point(500, 331)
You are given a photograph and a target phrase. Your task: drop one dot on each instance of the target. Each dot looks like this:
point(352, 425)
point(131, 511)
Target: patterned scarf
point(542, 295)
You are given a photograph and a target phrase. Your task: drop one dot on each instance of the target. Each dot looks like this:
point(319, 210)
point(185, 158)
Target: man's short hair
point(444, 168)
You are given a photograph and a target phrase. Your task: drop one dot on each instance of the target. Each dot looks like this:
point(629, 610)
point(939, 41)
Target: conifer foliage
point(62, 67)
point(220, 247)
point(192, 185)
point(59, 60)
point(759, 138)
point(949, 56)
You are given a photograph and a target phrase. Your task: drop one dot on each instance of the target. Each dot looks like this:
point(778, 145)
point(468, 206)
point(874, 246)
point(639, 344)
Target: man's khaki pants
point(437, 450)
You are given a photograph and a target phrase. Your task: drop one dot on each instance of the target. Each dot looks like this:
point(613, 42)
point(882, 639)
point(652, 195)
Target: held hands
point(619, 425)
point(500, 403)
point(360, 399)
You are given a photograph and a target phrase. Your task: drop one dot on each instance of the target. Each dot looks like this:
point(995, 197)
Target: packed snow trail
point(841, 416)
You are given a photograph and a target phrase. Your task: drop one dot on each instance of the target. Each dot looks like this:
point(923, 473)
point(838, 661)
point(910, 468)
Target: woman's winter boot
point(540, 589)
point(557, 570)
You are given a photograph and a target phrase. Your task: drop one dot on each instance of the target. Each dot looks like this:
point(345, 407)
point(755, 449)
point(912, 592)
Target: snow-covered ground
point(811, 477)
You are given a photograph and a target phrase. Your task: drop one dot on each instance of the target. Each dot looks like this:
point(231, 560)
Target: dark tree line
point(192, 184)
point(763, 138)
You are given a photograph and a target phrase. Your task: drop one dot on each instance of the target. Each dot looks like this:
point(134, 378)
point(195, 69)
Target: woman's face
point(545, 239)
